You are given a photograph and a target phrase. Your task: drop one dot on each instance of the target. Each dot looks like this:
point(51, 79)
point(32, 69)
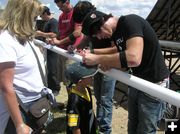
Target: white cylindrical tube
point(155, 90)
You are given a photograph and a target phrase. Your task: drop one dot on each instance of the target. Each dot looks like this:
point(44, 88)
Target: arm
point(46, 35)
point(134, 50)
point(76, 33)
point(85, 41)
point(109, 50)
point(6, 85)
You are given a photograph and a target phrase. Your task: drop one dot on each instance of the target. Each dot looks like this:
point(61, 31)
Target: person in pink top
point(70, 33)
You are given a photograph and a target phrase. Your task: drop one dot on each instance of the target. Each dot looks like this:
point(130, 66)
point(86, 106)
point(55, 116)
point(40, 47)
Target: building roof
point(165, 19)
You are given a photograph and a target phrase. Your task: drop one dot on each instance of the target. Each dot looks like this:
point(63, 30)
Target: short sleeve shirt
point(152, 67)
point(66, 27)
point(27, 73)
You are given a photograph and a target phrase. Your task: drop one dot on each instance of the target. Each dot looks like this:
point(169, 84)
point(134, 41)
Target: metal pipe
point(170, 44)
point(162, 93)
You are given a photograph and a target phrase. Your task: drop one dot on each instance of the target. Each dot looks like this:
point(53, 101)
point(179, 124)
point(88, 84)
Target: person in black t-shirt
point(103, 85)
point(136, 47)
point(50, 30)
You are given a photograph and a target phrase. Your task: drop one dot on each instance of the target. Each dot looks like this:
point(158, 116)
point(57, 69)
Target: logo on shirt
point(65, 21)
point(119, 41)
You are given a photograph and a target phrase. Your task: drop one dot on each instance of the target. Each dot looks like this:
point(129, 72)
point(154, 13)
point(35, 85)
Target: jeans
point(144, 111)
point(104, 92)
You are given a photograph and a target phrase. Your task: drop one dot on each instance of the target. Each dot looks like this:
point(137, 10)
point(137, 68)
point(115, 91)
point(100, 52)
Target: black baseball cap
point(92, 22)
point(46, 10)
point(77, 71)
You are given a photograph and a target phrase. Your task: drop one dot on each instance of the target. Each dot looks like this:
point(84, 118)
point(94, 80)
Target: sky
point(116, 7)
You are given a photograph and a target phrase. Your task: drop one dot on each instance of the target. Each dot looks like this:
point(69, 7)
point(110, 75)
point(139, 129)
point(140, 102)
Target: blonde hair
point(18, 18)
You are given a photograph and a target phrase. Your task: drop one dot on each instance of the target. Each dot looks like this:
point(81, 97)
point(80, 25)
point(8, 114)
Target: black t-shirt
point(152, 67)
point(51, 26)
point(103, 43)
point(80, 114)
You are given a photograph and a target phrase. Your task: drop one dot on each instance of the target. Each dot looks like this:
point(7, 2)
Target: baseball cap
point(46, 10)
point(92, 22)
point(77, 71)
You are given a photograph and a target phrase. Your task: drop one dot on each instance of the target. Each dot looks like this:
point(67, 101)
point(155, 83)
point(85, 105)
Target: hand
point(51, 35)
point(71, 48)
point(23, 129)
point(90, 59)
point(82, 52)
point(49, 41)
point(77, 33)
point(104, 68)
point(54, 41)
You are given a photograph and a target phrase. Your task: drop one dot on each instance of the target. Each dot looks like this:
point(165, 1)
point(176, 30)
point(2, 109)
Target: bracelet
point(123, 60)
point(71, 37)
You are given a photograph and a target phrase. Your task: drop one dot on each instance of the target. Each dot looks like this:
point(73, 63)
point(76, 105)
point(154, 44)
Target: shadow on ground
point(58, 125)
point(120, 95)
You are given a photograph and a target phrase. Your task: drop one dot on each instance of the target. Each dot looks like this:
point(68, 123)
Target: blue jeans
point(104, 92)
point(144, 112)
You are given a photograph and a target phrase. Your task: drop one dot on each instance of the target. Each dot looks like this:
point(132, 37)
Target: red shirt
point(66, 27)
